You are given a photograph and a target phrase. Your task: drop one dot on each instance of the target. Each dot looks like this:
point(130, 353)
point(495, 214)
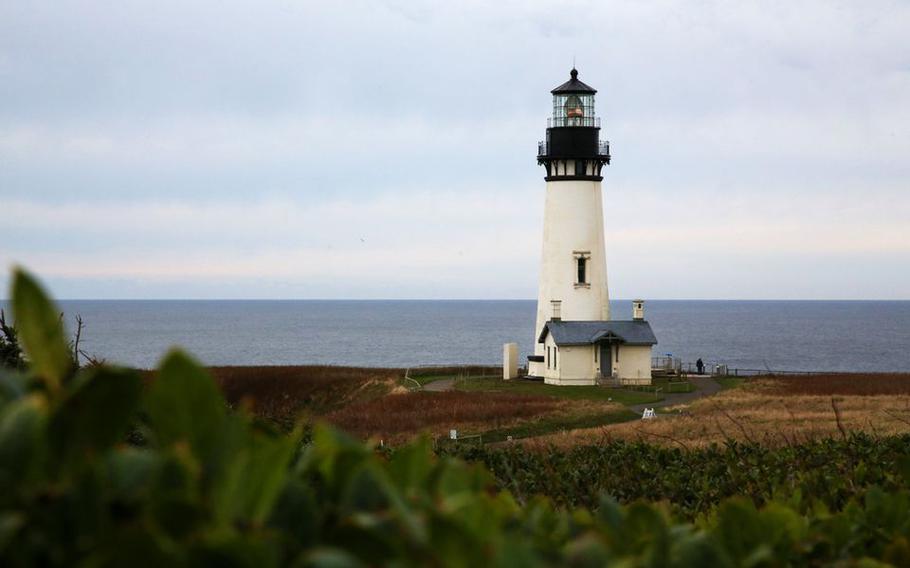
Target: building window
point(555, 351)
point(548, 357)
point(596, 349)
point(617, 353)
point(557, 309)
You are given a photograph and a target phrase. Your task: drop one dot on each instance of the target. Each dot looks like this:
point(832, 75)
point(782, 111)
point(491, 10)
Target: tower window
point(581, 268)
point(556, 305)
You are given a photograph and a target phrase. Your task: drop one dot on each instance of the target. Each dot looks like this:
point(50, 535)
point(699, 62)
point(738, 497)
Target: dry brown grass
point(773, 412)
point(399, 417)
point(282, 393)
point(858, 384)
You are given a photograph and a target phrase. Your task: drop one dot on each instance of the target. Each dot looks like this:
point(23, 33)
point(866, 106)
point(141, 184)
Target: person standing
point(700, 366)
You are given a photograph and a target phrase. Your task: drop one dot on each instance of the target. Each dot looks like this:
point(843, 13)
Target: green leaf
point(184, 405)
point(134, 546)
point(332, 455)
point(21, 424)
point(410, 466)
point(368, 489)
point(330, 558)
point(13, 385)
point(176, 496)
point(737, 524)
point(903, 468)
point(254, 477)
point(40, 330)
point(296, 512)
point(695, 551)
point(11, 525)
point(95, 413)
point(609, 512)
point(234, 551)
point(129, 473)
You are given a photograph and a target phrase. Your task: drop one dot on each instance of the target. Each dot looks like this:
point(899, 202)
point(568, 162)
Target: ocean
point(778, 335)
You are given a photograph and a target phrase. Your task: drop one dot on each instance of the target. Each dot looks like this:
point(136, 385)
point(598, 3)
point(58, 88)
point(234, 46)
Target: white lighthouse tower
point(573, 267)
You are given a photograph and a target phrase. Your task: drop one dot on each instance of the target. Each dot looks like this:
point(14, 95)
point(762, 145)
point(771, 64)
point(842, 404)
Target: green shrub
point(198, 485)
point(829, 472)
point(10, 351)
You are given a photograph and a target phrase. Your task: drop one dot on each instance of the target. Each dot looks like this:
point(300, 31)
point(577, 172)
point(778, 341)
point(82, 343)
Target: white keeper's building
point(576, 341)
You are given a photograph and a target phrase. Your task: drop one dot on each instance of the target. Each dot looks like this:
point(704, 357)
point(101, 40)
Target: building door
point(606, 360)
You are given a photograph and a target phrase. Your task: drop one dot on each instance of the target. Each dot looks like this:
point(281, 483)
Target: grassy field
point(495, 415)
point(424, 375)
point(772, 411)
point(518, 386)
point(374, 403)
point(663, 385)
point(550, 424)
point(730, 382)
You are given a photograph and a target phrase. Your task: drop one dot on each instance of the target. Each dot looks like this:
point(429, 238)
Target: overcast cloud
point(387, 149)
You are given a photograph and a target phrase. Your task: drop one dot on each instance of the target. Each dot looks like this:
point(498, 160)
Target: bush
point(826, 473)
point(200, 485)
point(10, 351)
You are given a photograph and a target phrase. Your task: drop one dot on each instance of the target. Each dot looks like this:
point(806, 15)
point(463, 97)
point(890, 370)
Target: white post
point(509, 361)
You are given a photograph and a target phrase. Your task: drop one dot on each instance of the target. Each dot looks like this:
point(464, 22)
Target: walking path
point(440, 386)
point(704, 386)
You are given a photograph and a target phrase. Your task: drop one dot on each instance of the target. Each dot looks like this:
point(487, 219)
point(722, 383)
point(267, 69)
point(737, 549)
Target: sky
point(387, 149)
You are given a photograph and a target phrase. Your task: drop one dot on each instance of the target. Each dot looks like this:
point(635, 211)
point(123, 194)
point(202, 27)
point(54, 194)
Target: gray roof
point(635, 332)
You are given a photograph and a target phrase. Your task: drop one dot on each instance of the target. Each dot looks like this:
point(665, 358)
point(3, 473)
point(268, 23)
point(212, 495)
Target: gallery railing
point(603, 148)
point(563, 121)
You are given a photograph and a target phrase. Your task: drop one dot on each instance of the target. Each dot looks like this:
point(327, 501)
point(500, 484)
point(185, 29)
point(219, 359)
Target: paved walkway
point(704, 386)
point(440, 385)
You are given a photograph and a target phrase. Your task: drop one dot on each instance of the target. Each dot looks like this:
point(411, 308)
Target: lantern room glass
point(573, 109)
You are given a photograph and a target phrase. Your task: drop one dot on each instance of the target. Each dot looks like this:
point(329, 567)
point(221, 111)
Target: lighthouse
point(576, 342)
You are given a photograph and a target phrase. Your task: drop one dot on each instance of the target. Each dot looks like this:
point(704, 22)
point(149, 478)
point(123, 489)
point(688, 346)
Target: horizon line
point(8, 300)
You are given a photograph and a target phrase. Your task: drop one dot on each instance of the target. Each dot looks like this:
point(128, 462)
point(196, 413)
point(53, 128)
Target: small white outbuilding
point(583, 352)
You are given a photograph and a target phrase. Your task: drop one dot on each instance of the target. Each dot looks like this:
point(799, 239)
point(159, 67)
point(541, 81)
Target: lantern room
point(573, 104)
point(573, 148)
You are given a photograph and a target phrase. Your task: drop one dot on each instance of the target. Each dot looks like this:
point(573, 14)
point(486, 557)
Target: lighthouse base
point(571, 382)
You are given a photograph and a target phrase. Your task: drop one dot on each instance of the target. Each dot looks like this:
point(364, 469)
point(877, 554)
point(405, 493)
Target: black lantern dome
point(573, 85)
point(573, 134)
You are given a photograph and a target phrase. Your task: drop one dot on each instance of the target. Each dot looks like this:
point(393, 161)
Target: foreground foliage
point(99, 470)
point(822, 474)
